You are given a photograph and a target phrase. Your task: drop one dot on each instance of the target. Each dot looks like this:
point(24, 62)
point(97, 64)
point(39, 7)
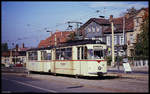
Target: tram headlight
point(99, 68)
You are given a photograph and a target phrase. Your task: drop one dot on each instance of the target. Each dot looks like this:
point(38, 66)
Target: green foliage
point(142, 45)
point(138, 58)
point(2, 65)
point(119, 58)
point(131, 11)
point(109, 59)
point(4, 47)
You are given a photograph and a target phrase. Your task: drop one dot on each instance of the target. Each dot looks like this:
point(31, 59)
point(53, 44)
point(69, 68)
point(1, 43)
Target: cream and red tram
point(85, 58)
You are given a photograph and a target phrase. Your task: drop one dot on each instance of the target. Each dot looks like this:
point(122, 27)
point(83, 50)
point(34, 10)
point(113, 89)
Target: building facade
point(16, 56)
point(138, 19)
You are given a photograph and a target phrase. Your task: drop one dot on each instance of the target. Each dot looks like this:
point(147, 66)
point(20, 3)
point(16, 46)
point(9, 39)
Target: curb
point(126, 75)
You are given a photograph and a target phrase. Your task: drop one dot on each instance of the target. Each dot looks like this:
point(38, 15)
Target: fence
point(140, 63)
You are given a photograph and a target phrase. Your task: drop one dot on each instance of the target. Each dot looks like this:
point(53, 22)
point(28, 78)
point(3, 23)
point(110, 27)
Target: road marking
point(47, 90)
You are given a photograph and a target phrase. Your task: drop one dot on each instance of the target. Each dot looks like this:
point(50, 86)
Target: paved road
point(55, 84)
point(11, 83)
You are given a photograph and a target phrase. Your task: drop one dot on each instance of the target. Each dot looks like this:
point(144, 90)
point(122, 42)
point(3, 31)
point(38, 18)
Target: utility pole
point(124, 29)
point(112, 27)
point(77, 26)
point(124, 39)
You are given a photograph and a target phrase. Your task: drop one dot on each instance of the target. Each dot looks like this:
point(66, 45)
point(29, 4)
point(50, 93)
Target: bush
point(139, 58)
point(108, 59)
point(2, 65)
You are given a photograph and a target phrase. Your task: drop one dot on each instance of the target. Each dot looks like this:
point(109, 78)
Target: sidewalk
point(137, 72)
point(134, 69)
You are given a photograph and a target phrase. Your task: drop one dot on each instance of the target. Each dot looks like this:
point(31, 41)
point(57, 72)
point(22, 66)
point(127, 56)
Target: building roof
point(118, 24)
point(70, 43)
point(8, 53)
point(58, 37)
point(99, 21)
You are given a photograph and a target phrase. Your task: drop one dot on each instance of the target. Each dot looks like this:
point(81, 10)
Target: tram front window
point(95, 54)
point(98, 54)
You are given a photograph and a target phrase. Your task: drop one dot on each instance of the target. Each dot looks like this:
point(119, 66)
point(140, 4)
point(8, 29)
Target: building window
point(108, 40)
point(89, 29)
point(121, 40)
point(93, 29)
point(115, 40)
point(97, 29)
point(131, 38)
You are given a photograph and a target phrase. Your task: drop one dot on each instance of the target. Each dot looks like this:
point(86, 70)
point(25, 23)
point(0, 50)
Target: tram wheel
point(54, 74)
point(76, 76)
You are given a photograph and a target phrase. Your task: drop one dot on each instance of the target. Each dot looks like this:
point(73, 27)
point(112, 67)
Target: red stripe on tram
point(67, 60)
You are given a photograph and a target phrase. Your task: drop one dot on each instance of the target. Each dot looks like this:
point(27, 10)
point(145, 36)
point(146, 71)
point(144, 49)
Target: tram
point(79, 58)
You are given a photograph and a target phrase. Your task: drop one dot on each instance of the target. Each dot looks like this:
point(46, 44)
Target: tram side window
point(78, 53)
point(68, 54)
point(32, 55)
point(64, 54)
point(83, 52)
point(49, 56)
point(45, 55)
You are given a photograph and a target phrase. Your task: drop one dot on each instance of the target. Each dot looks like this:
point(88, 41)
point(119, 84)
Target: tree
point(4, 47)
point(131, 11)
point(142, 45)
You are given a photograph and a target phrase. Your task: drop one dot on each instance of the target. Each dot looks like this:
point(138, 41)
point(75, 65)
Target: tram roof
point(70, 43)
point(81, 42)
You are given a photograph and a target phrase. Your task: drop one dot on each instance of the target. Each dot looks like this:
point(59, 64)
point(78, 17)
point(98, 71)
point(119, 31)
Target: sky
point(27, 21)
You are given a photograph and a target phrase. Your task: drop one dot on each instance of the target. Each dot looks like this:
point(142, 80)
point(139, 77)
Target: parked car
point(11, 65)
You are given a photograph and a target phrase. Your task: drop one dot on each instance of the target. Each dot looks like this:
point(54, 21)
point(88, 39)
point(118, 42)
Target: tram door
point(82, 55)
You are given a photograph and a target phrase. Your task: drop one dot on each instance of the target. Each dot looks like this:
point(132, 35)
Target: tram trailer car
point(80, 59)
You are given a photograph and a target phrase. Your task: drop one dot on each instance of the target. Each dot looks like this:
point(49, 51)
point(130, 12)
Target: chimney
point(23, 45)
point(17, 47)
point(111, 18)
point(55, 41)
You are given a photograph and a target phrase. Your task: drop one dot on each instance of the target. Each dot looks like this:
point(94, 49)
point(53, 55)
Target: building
point(120, 24)
point(94, 29)
point(16, 56)
point(100, 28)
point(126, 28)
point(138, 19)
point(55, 39)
